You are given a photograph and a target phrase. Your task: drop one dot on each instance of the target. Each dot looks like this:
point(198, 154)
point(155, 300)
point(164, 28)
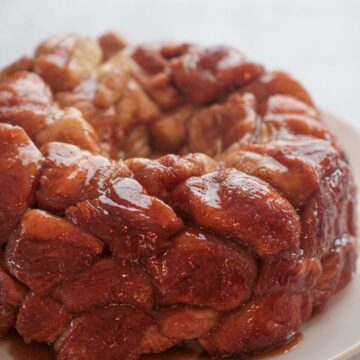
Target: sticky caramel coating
point(156, 194)
point(106, 282)
point(132, 223)
point(33, 319)
point(47, 250)
point(25, 101)
point(229, 201)
point(107, 333)
point(185, 274)
point(12, 294)
point(70, 175)
point(20, 167)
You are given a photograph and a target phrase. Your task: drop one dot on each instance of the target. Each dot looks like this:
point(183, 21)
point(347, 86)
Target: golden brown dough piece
point(130, 222)
point(26, 101)
point(161, 194)
point(106, 282)
point(275, 83)
point(12, 294)
point(105, 333)
point(242, 207)
point(111, 43)
point(33, 319)
point(198, 269)
point(46, 251)
point(205, 75)
point(213, 129)
point(20, 166)
point(162, 175)
point(259, 324)
point(63, 61)
point(70, 127)
point(71, 175)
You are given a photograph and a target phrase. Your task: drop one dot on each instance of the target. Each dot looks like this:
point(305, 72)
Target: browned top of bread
point(166, 192)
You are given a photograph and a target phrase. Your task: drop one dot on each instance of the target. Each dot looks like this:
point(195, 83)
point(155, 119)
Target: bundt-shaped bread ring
point(156, 194)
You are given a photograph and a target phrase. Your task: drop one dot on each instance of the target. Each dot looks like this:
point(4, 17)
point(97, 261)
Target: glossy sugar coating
point(162, 193)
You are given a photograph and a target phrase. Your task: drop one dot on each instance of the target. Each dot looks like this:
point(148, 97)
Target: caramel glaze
point(163, 194)
point(35, 351)
point(193, 352)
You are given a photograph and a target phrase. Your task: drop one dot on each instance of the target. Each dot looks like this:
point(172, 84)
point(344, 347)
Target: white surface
point(318, 41)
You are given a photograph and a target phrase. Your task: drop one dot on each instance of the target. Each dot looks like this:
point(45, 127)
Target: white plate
point(333, 334)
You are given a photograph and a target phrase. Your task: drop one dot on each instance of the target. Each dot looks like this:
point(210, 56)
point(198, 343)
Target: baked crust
point(163, 193)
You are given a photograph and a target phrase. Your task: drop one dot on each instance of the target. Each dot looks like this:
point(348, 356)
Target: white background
point(318, 41)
